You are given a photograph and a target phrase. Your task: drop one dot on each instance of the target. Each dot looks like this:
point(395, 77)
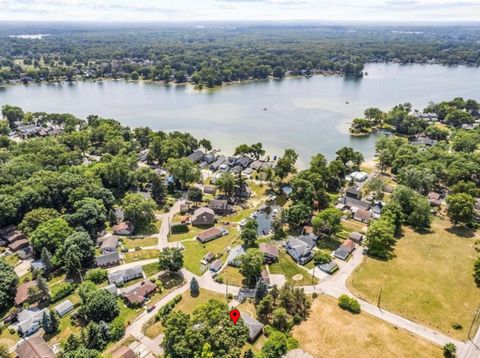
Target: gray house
point(64, 307)
point(30, 320)
point(234, 255)
point(196, 156)
point(203, 217)
point(300, 249)
point(220, 207)
point(121, 276)
point(108, 260)
point(255, 328)
point(109, 245)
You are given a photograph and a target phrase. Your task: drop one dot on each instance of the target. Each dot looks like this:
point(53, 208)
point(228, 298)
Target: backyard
point(141, 255)
point(294, 274)
point(333, 332)
point(429, 280)
point(131, 243)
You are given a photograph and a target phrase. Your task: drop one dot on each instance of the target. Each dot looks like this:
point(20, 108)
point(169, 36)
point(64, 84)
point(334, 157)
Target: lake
point(310, 115)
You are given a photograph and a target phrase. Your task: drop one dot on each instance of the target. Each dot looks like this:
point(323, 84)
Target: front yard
point(293, 273)
point(429, 280)
point(141, 255)
point(131, 243)
point(333, 332)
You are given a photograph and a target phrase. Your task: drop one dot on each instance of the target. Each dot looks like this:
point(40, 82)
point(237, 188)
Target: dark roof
point(19, 244)
point(110, 242)
point(356, 236)
point(216, 265)
point(138, 294)
point(352, 202)
point(209, 234)
point(363, 214)
point(22, 291)
point(218, 204)
point(107, 259)
point(328, 267)
point(196, 156)
point(254, 327)
point(268, 249)
point(353, 193)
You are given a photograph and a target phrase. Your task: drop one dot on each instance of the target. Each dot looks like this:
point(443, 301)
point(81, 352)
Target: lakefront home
point(220, 207)
point(344, 250)
point(269, 251)
point(300, 248)
point(211, 234)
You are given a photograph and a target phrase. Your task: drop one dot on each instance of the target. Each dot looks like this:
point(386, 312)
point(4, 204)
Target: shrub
point(97, 275)
point(60, 291)
point(349, 304)
point(292, 343)
point(179, 228)
point(449, 350)
point(321, 257)
point(457, 326)
point(165, 310)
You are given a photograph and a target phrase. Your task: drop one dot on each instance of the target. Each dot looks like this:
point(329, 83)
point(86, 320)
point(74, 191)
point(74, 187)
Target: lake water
point(310, 115)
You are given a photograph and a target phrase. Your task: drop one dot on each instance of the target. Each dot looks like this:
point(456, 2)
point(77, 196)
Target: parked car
point(150, 308)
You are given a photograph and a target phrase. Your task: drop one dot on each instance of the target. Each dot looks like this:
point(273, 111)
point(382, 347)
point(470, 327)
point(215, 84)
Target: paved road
point(472, 348)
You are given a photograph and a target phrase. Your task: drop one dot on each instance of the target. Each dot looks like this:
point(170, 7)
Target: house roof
point(298, 248)
point(218, 204)
point(349, 245)
point(328, 267)
point(107, 259)
point(138, 294)
point(30, 318)
point(34, 347)
point(120, 275)
point(203, 210)
point(14, 235)
point(64, 307)
point(265, 277)
point(234, 254)
point(363, 214)
point(268, 249)
point(356, 236)
point(307, 229)
point(195, 156)
point(111, 288)
point(22, 291)
point(124, 352)
point(124, 225)
point(209, 189)
point(110, 242)
point(17, 245)
point(352, 202)
point(209, 234)
point(345, 249)
point(216, 265)
point(208, 256)
point(254, 326)
point(353, 192)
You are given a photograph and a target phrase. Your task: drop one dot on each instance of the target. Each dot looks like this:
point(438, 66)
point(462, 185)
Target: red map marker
point(235, 315)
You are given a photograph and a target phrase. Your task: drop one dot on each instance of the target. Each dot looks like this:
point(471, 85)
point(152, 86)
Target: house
point(111, 288)
point(209, 189)
point(216, 265)
point(121, 276)
point(255, 328)
point(356, 237)
point(203, 217)
point(234, 255)
point(363, 216)
point(19, 244)
point(13, 236)
point(357, 176)
point(25, 252)
point(196, 156)
point(300, 249)
point(329, 267)
point(124, 352)
point(355, 204)
point(231, 161)
point(244, 162)
point(256, 165)
point(224, 167)
point(209, 158)
point(139, 294)
point(344, 250)
point(34, 347)
point(22, 292)
point(30, 320)
point(211, 234)
point(353, 193)
point(236, 169)
point(307, 230)
point(108, 260)
point(220, 207)
point(209, 256)
point(269, 251)
point(215, 165)
point(109, 245)
point(377, 209)
point(123, 228)
point(63, 308)
point(37, 265)
point(434, 198)
point(243, 192)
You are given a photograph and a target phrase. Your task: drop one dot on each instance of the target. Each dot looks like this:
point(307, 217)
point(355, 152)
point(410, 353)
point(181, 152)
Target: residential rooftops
point(34, 347)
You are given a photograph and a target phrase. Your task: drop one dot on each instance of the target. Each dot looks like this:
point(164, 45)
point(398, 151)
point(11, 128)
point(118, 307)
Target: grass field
point(140, 242)
point(194, 231)
point(141, 255)
point(195, 251)
point(429, 281)
point(151, 269)
point(289, 268)
point(232, 275)
point(333, 332)
point(237, 216)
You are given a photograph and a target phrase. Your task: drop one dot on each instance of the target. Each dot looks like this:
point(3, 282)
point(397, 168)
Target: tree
point(90, 214)
point(71, 260)
point(46, 258)
point(465, 141)
point(278, 72)
point(194, 287)
point(251, 265)
point(184, 171)
point(205, 144)
point(206, 351)
point(77, 252)
point(327, 222)
point(35, 217)
point(171, 259)
point(458, 117)
point(265, 309)
point(297, 215)
point(280, 319)
point(4, 352)
point(476, 271)
point(375, 186)
point(248, 354)
point(461, 208)
point(43, 290)
point(380, 238)
point(321, 257)
point(449, 350)
point(286, 164)
point(139, 211)
point(261, 290)
point(49, 322)
point(349, 304)
point(195, 194)
point(226, 183)
point(249, 233)
point(12, 114)
point(349, 157)
point(158, 190)
point(275, 346)
point(50, 235)
point(97, 275)
point(415, 207)
point(8, 284)
point(277, 229)
point(100, 305)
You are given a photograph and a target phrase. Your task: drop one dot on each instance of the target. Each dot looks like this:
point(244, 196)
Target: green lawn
point(258, 189)
point(237, 216)
point(193, 231)
point(151, 269)
point(232, 275)
point(195, 251)
point(12, 260)
point(290, 269)
point(131, 243)
point(141, 255)
point(429, 280)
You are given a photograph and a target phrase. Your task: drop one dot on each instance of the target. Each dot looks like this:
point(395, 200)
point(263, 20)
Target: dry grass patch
point(131, 243)
point(429, 281)
point(141, 255)
point(333, 332)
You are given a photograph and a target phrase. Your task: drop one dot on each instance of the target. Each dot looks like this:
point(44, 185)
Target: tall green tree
point(139, 211)
point(461, 208)
point(249, 233)
point(251, 265)
point(171, 259)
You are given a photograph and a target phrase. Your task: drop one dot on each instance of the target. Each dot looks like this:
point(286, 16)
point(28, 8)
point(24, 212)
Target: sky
point(237, 10)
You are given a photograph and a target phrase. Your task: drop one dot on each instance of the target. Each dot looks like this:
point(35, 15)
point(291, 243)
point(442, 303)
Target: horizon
point(188, 11)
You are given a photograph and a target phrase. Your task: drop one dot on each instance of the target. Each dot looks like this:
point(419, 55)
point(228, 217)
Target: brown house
point(22, 292)
point(220, 207)
point(17, 245)
point(14, 235)
point(435, 199)
point(269, 251)
point(34, 347)
point(123, 228)
point(363, 216)
point(203, 217)
point(139, 294)
point(211, 234)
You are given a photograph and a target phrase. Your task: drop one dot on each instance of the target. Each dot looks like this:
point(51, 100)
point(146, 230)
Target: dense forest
point(215, 54)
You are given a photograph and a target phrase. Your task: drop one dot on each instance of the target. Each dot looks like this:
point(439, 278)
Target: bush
point(349, 304)
point(457, 326)
point(97, 275)
point(60, 291)
point(165, 310)
point(179, 228)
point(321, 257)
point(449, 350)
point(292, 343)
